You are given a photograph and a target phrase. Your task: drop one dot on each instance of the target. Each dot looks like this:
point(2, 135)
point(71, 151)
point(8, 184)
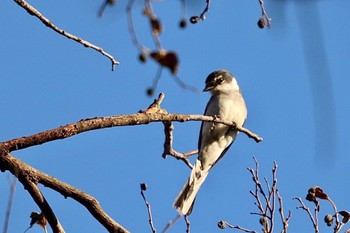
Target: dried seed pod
point(328, 219)
point(166, 59)
point(150, 91)
point(156, 25)
point(261, 23)
point(222, 224)
point(263, 221)
point(142, 57)
point(143, 186)
point(183, 23)
point(194, 19)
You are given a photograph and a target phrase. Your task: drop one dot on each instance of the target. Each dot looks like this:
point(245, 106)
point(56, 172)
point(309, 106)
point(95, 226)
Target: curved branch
point(32, 11)
point(29, 176)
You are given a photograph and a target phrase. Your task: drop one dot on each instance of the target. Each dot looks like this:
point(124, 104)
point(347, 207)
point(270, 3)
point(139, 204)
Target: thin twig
point(237, 227)
point(285, 221)
point(264, 13)
point(171, 223)
point(157, 77)
point(335, 211)
point(206, 9)
point(183, 8)
point(150, 219)
point(168, 145)
point(258, 188)
point(132, 32)
point(313, 219)
point(12, 184)
point(188, 224)
point(152, 17)
point(32, 11)
point(184, 85)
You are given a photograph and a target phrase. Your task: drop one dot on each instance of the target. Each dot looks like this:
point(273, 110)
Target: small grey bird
point(215, 139)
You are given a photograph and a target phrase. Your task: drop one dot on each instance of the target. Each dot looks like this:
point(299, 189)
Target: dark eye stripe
point(218, 80)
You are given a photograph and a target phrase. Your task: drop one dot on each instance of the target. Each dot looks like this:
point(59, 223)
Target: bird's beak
point(207, 88)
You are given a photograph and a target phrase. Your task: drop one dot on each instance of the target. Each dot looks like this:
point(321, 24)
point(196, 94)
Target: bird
point(215, 139)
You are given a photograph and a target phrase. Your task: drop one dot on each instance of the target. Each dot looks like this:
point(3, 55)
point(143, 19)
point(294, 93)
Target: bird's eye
point(219, 80)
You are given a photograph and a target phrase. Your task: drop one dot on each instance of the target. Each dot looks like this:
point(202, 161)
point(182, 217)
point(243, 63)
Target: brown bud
point(261, 23)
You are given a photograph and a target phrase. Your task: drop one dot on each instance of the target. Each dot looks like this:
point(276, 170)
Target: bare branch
point(195, 19)
point(29, 184)
point(264, 13)
point(206, 9)
point(188, 224)
point(132, 30)
point(86, 125)
point(153, 114)
point(223, 224)
point(171, 223)
point(168, 149)
point(313, 219)
point(143, 187)
point(32, 11)
point(24, 172)
point(285, 221)
point(12, 184)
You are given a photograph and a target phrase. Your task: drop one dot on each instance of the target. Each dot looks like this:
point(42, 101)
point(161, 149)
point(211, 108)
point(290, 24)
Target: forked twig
point(32, 11)
point(314, 219)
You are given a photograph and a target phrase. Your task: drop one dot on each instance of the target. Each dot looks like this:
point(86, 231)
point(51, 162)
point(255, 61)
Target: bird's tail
point(185, 200)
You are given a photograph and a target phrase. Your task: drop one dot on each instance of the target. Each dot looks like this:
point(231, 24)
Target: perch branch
point(153, 114)
point(32, 11)
point(86, 125)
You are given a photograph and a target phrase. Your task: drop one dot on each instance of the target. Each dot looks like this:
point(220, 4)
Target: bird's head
point(221, 81)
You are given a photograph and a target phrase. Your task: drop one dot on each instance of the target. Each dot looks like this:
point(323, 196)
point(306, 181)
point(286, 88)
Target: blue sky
point(294, 77)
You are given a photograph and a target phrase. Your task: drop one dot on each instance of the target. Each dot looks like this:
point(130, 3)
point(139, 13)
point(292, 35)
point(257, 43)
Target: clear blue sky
point(294, 77)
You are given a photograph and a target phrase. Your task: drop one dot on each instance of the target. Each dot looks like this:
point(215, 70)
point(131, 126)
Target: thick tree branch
point(86, 125)
point(32, 11)
point(29, 176)
point(29, 180)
